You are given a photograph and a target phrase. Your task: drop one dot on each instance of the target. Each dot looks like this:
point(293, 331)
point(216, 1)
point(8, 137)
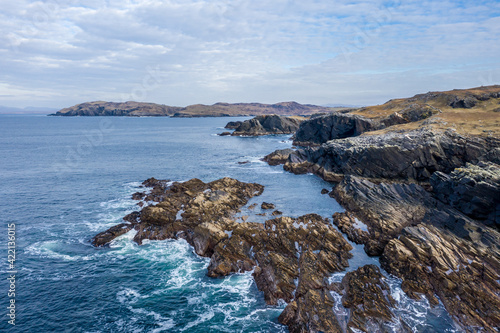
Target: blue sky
point(60, 53)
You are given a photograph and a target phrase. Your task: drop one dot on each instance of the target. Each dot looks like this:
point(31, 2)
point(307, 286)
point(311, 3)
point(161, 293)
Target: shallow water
point(66, 179)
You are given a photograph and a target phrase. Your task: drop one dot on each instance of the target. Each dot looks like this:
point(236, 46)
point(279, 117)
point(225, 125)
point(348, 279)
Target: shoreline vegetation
point(420, 181)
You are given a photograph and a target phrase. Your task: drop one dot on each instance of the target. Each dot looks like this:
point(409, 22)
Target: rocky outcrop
point(233, 124)
point(368, 298)
point(267, 205)
point(268, 124)
point(385, 209)
point(291, 258)
point(474, 190)
point(184, 207)
point(321, 129)
point(413, 155)
point(278, 157)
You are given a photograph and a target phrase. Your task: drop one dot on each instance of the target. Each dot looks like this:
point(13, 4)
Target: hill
point(101, 108)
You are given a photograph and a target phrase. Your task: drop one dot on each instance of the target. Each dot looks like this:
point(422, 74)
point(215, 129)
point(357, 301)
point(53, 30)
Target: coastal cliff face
point(412, 155)
point(265, 125)
point(420, 181)
point(101, 108)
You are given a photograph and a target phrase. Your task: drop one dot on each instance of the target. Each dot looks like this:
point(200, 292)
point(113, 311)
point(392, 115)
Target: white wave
point(207, 314)
point(51, 249)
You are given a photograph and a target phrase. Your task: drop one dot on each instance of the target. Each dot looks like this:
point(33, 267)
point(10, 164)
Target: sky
point(60, 53)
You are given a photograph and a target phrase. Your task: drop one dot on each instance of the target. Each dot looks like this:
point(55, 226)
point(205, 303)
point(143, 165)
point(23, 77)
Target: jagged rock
point(412, 155)
point(276, 213)
point(324, 191)
point(321, 129)
point(474, 190)
point(368, 298)
point(277, 157)
point(138, 195)
point(268, 124)
point(182, 207)
point(292, 258)
point(267, 205)
point(225, 134)
point(463, 272)
point(107, 236)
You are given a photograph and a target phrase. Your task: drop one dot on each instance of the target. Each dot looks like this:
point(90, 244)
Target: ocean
point(65, 179)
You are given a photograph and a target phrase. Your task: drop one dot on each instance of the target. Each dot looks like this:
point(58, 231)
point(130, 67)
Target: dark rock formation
point(474, 190)
point(277, 157)
point(265, 125)
point(412, 155)
point(324, 191)
point(225, 134)
point(232, 125)
point(321, 129)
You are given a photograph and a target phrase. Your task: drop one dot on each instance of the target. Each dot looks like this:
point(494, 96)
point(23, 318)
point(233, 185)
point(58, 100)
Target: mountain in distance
point(138, 109)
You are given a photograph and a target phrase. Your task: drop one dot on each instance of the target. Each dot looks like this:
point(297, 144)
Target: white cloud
point(353, 52)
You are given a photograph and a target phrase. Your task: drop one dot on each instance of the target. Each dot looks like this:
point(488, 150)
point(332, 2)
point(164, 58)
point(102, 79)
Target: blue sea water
point(63, 180)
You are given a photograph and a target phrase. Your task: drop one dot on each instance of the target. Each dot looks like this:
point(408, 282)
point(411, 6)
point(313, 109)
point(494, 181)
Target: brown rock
point(267, 205)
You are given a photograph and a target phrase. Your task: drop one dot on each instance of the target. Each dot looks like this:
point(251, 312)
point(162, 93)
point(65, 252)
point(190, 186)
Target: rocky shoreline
point(421, 193)
point(424, 198)
point(291, 258)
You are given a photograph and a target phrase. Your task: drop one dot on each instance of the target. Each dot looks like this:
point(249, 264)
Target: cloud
point(55, 53)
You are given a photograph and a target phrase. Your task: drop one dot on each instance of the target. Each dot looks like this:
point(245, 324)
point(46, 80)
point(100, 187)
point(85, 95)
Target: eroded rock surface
point(278, 157)
point(463, 272)
point(474, 190)
point(368, 298)
point(413, 155)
